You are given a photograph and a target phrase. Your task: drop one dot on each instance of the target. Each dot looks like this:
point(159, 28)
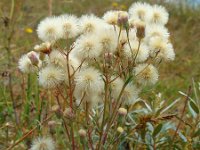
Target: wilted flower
point(43, 48)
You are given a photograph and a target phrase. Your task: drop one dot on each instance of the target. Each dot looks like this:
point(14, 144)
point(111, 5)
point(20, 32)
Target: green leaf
point(157, 130)
point(197, 133)
point(194, 107)
point(128, 80)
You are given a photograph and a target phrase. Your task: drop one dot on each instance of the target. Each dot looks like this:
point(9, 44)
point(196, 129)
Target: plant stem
point(27, 134)
point(182, 115)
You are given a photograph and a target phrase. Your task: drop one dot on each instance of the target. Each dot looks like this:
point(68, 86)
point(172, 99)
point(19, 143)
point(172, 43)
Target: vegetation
point(166, 118)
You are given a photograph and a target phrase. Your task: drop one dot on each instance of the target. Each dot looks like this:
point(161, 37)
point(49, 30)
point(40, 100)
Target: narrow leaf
point(194, 107)
point(157, 130)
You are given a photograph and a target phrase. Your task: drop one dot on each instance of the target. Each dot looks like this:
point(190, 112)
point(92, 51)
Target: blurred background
point(19, 35)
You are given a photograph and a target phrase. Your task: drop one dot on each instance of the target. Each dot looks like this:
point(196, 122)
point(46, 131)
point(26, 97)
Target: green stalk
point(28, 98)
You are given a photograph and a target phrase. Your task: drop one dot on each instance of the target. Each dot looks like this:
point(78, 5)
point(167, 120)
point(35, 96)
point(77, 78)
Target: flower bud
point(140, 26)
point(52, 125)
point(68, 113)
point(44, 48)
point(122, 18)
point(57, 110)
point(120, 130)
point(33, 58)
point(122, 111)
point(82, 133)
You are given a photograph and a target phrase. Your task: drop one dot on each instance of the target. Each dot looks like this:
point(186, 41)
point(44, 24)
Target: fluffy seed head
point(143, 52)
point(130, 94)
point(139, 11)
point(153, 30)
point(87, 46)
point(57, 58)
point(89, 80)
point(161, 49)
point(49, 29)
point(146, 74)
point(158, 15)
point(51, 76)
point(90, 23)
point(69, 25)
point(25, 63)
point(111, 17)
point(107, 38)
point(116, 86)
point(43, 143)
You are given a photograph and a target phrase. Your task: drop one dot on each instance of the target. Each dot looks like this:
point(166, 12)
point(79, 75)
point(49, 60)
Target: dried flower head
point(43, 143)
point(44, 48)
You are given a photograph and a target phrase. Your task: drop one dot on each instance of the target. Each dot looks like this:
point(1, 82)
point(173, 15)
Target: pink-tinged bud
point(122, 111)
point(82, 133)
point(122, 18)
point(33, 58)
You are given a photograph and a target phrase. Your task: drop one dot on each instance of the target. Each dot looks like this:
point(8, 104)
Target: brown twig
point(182, 115)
